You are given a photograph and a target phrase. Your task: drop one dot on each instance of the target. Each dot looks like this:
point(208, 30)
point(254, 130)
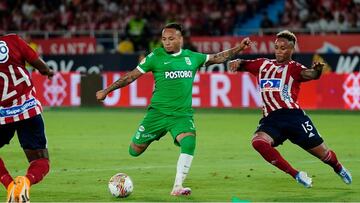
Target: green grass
point(88, 146)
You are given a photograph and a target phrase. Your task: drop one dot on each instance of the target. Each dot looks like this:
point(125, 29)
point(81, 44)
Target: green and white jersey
point(174, 76)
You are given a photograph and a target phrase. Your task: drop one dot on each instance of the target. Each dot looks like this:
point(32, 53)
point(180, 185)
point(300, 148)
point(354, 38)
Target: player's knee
point(136, 150)
point(188, 144)
point(133, 152)
point(35, 154)
point(258, 143)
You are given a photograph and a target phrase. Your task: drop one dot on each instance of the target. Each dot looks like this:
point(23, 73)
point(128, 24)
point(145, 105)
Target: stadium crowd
point(140, 21)
point(117, 14)
point(325, 15)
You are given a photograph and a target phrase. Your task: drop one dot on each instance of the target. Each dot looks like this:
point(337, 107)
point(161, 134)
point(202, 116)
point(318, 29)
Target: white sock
point(182, 169)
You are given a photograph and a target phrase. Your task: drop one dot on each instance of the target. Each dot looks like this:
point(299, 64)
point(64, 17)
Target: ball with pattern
point(121, 185)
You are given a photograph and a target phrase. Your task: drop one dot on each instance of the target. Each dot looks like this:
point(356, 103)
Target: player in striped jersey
point(279, 83)
point(20, 111)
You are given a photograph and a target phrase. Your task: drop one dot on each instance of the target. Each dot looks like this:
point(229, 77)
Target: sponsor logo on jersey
point(16, 110)
point(285, 93)
point(270, 84)
point(148, 135)
point(178, 74)
point(137, 135)
point(4, 52)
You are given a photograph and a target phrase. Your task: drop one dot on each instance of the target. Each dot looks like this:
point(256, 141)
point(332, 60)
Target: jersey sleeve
point(252, 66)
point(296, 72)
point(146, 63)
point(200, 58)
point(29, 54)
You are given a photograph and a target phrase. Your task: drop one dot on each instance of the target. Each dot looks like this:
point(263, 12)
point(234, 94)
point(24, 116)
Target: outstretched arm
point(228, 54)
point(122, 82)
point(42, 67)
point(314, 72)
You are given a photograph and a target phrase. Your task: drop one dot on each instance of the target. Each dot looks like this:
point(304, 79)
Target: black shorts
point(292, 124)
point(31, 133)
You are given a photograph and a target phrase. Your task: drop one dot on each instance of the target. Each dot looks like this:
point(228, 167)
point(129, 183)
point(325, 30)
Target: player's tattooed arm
point(122, 82)
point(228, 54)
point(314, 72)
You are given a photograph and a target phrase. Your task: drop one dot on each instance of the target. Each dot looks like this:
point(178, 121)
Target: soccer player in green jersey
point(170, 109)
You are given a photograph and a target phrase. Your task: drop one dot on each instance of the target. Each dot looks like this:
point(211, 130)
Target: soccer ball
point(120, 185)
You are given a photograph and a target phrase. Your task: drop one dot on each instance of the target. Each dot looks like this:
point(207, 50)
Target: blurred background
point(92, 43)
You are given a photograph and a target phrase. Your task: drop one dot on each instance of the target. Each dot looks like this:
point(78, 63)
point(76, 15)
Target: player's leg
point(137, 149)
point(329, 157)
point(5, 177)
point(31, 134)
point(183, 131)
point(7, 132)
point(263, 143)
point(268, 136)
point(7, 181)
point(152, 127)
point(39, 164)
point(187, 144)
point(308, 138)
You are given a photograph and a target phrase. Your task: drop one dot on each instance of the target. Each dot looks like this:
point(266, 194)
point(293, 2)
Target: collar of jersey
point(177, 54)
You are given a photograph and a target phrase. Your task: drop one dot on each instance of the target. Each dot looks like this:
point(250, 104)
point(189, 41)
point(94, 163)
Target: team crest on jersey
point(141, 128)
point(4, 52)
point(270, 84)
point(281, 68)
point(187, 60)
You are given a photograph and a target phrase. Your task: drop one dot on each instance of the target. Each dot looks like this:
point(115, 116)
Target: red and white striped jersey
point(17, 91)
point(279, 84)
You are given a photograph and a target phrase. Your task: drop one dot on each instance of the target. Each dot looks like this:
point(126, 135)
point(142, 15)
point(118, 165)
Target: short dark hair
point(176, 26)
point(286, 34)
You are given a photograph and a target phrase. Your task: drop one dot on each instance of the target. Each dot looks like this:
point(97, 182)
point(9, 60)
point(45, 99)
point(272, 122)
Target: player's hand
point(101, 95)
point(245, 43)
point(50, 74)
point(234, 65)
point(317, 66)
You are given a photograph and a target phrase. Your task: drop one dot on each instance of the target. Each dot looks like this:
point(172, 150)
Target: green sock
point(188, 144)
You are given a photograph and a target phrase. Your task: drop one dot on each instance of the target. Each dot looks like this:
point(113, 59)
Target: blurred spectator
point(30, 42)
point(327, 23)
point(266, 22)
point(342, 24)
point(188, 44)
point(126, 46)
point(154, 43)
point(138, 32)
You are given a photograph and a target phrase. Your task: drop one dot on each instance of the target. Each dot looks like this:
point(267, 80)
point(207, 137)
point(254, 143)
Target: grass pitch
point(88, 146)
